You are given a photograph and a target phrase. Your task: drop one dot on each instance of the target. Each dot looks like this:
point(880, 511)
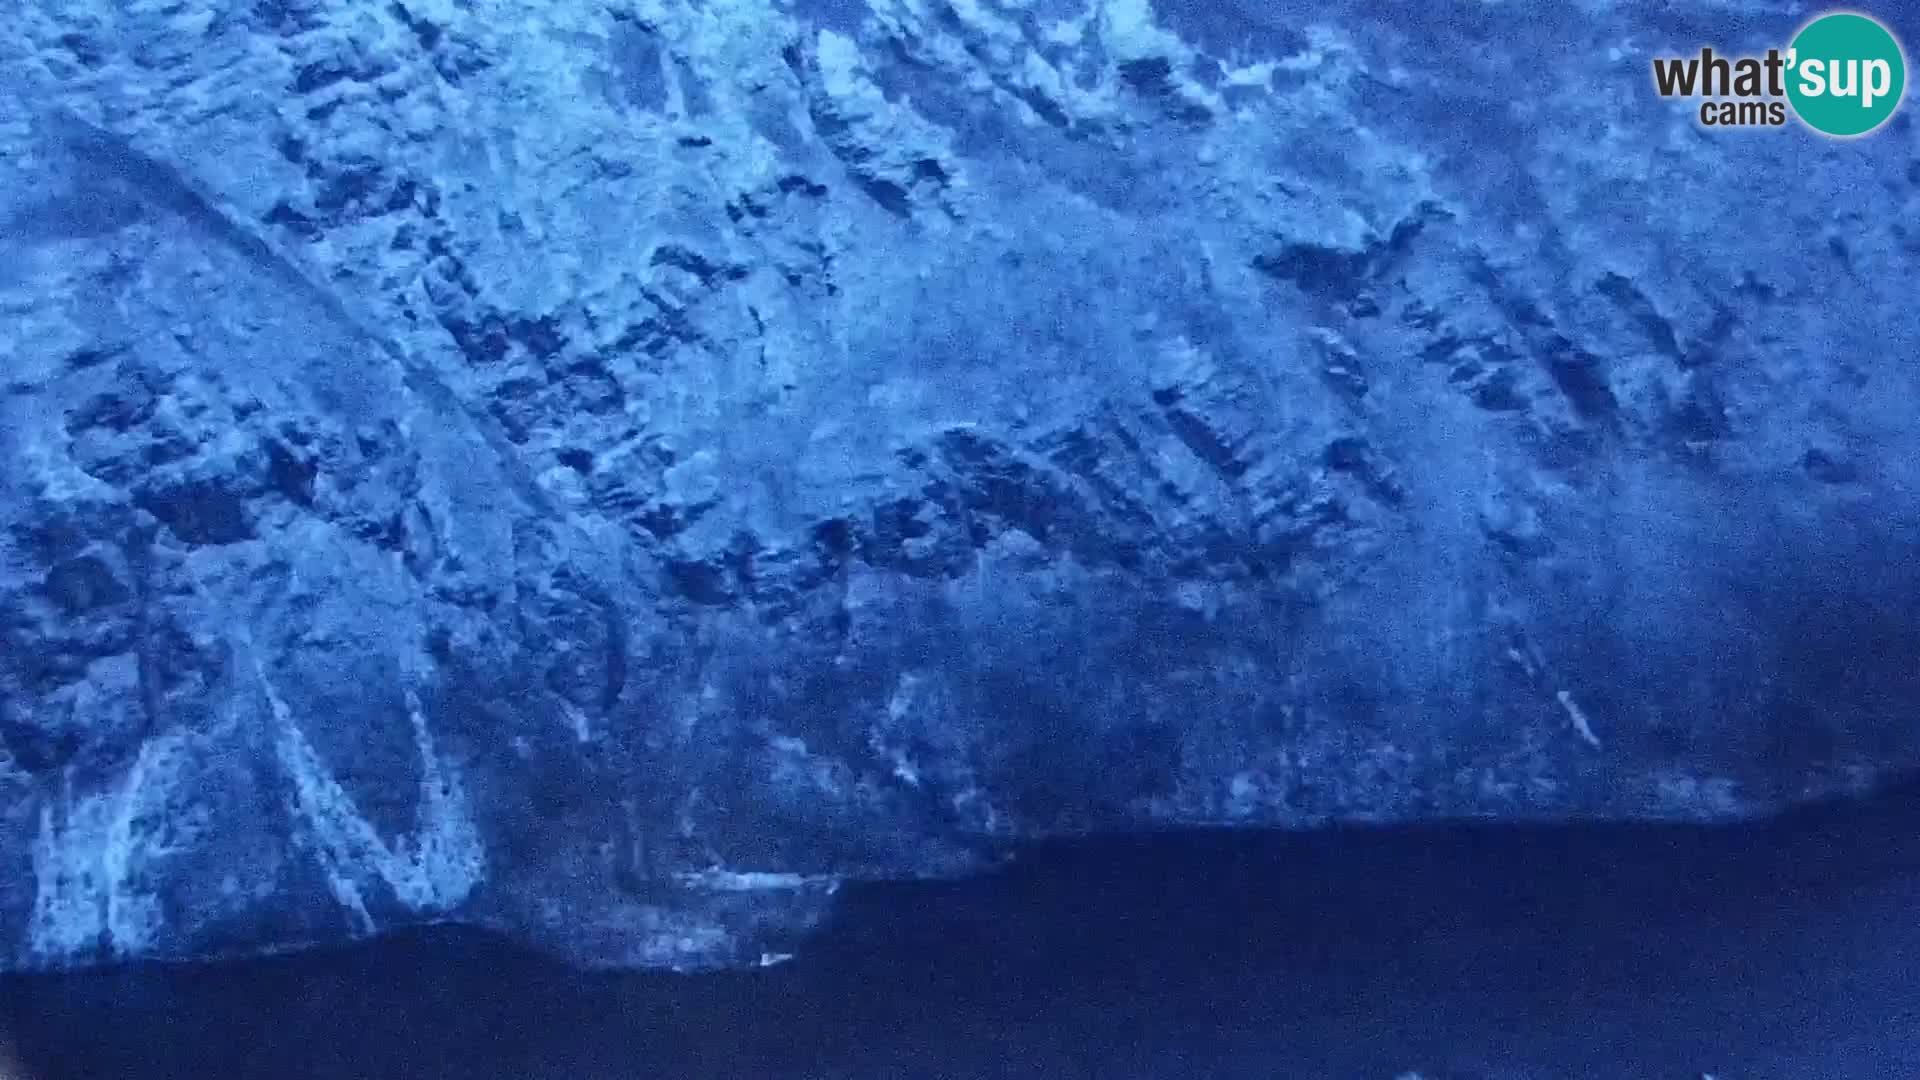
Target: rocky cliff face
point(613, 469)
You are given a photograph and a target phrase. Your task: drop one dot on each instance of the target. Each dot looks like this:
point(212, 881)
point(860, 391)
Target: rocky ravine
point(612, 470)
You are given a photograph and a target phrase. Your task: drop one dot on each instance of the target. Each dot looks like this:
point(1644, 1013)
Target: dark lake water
point(1788, 951)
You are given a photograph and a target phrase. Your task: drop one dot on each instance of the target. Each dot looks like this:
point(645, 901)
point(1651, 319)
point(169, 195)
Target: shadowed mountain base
point(1779, 951)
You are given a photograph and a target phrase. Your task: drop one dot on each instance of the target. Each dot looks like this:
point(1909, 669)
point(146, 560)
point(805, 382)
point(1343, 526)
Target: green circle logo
point(1846, 74)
